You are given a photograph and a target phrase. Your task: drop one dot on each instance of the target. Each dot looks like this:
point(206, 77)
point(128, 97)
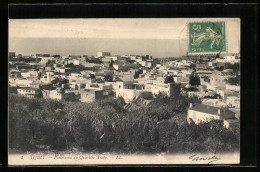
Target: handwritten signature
point(211, 159)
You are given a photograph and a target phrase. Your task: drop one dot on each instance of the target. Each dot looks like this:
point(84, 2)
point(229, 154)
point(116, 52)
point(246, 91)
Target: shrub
point(104, 126)
point(108, 78)
point(194, 80)
point(233, 81)
point(169, 79)
point(146, 95)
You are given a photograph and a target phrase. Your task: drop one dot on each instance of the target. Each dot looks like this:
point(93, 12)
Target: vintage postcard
point(124, 91)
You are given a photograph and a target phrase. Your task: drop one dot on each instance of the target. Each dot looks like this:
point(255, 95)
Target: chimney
point(190, 105)
point(219, 111)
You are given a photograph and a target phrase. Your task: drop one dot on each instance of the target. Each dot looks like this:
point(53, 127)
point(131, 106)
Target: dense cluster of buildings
point(87, 78)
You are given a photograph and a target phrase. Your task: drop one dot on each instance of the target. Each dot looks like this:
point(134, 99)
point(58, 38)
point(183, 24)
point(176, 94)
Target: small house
point(200, 113)
point(29, 92)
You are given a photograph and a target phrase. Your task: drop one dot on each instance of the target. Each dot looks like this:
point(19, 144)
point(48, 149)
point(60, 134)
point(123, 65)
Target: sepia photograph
point(90, 91)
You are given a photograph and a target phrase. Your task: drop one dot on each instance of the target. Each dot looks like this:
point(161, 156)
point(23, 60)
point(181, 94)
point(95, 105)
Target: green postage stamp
point(207, 37)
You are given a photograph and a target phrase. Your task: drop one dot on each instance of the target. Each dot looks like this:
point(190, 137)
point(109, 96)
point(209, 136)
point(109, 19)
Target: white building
point(128, 90)
point(233, 101)
point(29, 92)
point(57, 94)
point(45, 59)
point(103, 54)
point(228, 59)
point(76, 62)
point(21, 82)
point(90, 95)
point(25, 74)
point(200, 113)
point(46, 79)
point(233, 87)
point(214, 102)
point(62, 69)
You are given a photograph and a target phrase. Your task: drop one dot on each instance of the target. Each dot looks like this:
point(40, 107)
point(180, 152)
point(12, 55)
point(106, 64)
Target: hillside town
point(84, 78)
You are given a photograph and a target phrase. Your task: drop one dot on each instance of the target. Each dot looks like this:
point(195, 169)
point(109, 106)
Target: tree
point(60, 81)
point(33, 106)
point(169, 79)
point(140, 71)
point(220, 68)
point(194, 80)
point(120, 101)
point(108, 78)
point(92, 76)
point(215, 96)
point(161, 95)
point(233, 81)
point(146, 95)
point(235, 68)
point(103, 126)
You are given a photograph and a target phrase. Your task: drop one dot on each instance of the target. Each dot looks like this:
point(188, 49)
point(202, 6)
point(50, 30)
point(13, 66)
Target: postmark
point(207, 37)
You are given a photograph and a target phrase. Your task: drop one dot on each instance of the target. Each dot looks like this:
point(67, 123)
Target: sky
point(97, 28)
point(114, 28)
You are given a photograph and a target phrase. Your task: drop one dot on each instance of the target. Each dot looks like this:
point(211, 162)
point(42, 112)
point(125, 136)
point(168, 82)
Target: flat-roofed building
point(200, 113)
point(90, 95)
point(103, 54)
point(169, 89)
point(29, 92)
point(58, 94)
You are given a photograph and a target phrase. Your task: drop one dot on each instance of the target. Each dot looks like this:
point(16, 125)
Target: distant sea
point(158, 48)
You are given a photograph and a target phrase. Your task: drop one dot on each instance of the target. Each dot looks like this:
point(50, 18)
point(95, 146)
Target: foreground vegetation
point(41, 124)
